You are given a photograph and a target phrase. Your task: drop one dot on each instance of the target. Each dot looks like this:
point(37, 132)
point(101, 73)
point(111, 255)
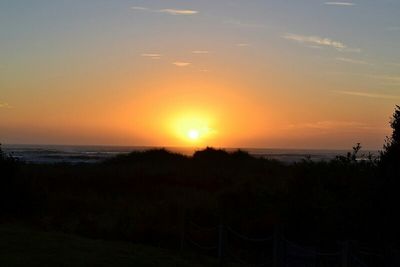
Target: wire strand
point(249, 238)
point(202, 247)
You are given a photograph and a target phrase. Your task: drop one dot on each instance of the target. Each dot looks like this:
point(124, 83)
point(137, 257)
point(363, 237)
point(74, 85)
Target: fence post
point(389, 254)
point(220, 243)
point(183, 227)
point(183, 235)
point(276, 245)
point(345, 254)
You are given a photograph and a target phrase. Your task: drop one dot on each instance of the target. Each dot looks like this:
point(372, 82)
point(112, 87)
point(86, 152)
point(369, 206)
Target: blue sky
point(338, 59)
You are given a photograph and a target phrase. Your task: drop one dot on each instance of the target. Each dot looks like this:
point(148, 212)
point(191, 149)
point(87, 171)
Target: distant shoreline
point(92, 154)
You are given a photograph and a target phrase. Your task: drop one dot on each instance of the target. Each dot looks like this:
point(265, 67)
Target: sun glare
point(192, 128)
point(193, 134)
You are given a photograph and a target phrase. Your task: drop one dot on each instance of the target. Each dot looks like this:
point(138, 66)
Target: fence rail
point(282, 251)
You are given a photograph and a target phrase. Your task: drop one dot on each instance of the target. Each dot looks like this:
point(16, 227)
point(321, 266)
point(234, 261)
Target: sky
point(226, 73)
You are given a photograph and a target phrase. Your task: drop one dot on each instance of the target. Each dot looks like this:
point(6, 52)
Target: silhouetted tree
point(351, 157)
point(390, 156)
point(2, 154)
point(389, 174)
point(5, 181)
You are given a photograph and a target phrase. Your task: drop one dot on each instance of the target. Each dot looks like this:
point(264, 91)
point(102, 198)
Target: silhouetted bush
point(11, 193)
point(142, 196)
point(389, 174)
point(211, 154)
point(147, 196)
point(152, 155)
point(390, 156)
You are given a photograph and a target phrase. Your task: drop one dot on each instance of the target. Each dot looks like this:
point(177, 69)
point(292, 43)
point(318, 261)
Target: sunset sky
point(224, 73)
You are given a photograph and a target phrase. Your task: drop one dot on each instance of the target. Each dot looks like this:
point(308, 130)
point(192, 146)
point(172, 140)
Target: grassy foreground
point(20, 246)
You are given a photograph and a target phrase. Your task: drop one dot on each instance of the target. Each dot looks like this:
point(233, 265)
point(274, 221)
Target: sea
point(93, 154)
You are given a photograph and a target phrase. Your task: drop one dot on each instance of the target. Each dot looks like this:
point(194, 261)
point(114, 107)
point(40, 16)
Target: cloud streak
point(393, 28)
point(239, 23)
point(243, 44)
point(388, 79)
point(178, 11)
point(330, 125)
point(170, 11)
point(181, 64)
point(353, 61)
point(151, 55)
point(339, 4)
point(4, 105)
point(381, 78)
point(369, 95)
point(140, 8)
point(315, 40)
point(200, 52)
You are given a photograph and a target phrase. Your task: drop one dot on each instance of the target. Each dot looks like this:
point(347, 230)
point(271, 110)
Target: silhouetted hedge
point(147, 196)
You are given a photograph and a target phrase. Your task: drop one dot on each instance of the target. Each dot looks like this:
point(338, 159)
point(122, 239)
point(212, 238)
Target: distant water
point(92, 154)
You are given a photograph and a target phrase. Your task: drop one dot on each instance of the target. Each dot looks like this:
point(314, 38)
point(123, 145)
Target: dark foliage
point(390, 156)
point(12, 191)
point(147, 196)
point(389, 172)
point(144, 195)
point(152, 155)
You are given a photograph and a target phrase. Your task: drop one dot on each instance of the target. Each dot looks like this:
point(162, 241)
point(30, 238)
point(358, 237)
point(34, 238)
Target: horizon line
point(195, 148)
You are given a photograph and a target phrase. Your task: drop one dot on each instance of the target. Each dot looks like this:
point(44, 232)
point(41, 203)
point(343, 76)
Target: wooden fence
point(230, 245)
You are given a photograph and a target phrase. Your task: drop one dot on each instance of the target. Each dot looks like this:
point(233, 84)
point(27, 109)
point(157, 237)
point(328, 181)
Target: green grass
point(20, 246)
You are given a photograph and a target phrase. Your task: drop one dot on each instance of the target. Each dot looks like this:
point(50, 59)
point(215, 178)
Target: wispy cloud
point(5, 105)
point(319, 42)
point(181, 64)
point(388, 79)
point(331, 125)
point(243, 24)
point(314, 46)
point(353, 61)
point(170, 11)
point(339, 4)
point(200, 52)
point(151, 55)
point(178, 11)
point(382, 79)
point(315, 40)
point(243, 44)
point(369, 95)
point(141, 8)
point(353, 50)
point(393, 28)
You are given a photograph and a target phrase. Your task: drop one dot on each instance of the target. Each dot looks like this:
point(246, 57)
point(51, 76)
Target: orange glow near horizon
point(190, 111)
point(196, 112)
point(140, 78)
point(195, 128)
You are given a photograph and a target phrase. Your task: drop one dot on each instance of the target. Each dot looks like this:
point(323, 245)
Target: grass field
point(20, 246)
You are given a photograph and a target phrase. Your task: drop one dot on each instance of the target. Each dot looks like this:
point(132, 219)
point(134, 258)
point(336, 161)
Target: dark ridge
point(152, 155)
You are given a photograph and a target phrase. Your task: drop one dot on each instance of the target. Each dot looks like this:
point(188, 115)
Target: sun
point(193, 134)
point(192, 128)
